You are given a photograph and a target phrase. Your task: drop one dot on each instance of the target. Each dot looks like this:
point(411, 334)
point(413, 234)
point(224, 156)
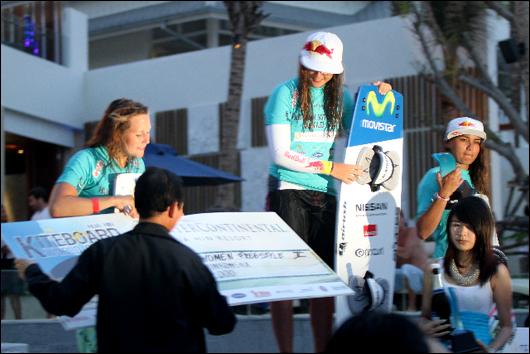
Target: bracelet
point(438, 196)
point(95, 205)
point(327, 167)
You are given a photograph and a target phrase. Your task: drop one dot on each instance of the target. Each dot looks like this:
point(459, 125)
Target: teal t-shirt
point(93, 173)
point(426, 189)
point(317, 144)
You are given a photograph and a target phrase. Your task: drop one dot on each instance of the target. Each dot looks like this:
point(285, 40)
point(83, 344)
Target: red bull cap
point(464, 125)
point(322, 52)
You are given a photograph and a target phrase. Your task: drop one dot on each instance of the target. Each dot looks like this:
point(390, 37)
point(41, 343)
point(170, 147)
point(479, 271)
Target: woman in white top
point(471, 268)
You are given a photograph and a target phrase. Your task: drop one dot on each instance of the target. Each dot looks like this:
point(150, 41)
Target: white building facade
point(50, 102)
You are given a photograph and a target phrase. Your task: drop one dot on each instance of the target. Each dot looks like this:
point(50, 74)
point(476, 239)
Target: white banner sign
point(255, 257)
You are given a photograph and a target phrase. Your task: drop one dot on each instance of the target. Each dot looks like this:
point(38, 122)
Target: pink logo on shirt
point(318, 165)
point(97, 170)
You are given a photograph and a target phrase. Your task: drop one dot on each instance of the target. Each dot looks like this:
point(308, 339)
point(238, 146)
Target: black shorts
point(311, 215)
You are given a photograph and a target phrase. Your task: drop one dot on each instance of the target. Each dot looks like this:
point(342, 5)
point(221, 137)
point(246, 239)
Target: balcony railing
point(34, 28)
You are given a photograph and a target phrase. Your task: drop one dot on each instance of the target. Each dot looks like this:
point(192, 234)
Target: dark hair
point(39, 193)
point(156, 190)
point(115, 121)
point(333, 98)
point(377, 331)
point(479, 173)
point(475, 213)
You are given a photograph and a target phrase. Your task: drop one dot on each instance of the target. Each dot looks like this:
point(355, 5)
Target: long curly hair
point(479, 172)
point(111, 128)
point(333, 98)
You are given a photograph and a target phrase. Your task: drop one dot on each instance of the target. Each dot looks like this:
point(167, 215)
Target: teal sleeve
point(141, 166)
point(347, 113)
point(279, 106)
point(426, 189)
point(77, 171)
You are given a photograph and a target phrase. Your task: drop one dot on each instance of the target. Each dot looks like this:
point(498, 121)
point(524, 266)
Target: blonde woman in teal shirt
point(86, 185)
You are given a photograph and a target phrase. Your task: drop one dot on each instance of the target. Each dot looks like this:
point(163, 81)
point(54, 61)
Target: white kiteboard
point(368, 210)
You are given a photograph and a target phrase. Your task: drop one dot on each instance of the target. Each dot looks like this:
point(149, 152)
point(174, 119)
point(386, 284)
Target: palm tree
point(458, 28)
point(245, 17)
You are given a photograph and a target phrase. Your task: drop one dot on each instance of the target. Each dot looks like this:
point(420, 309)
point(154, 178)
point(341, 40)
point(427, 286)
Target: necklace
point(466, 280)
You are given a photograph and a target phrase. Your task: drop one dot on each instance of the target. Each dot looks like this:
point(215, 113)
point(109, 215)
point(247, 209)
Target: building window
point(179, 38)
point(34, 27)
point(172, 129)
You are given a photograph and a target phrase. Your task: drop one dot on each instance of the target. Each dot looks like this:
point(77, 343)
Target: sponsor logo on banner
point(370, 230)
point(367, 252)
point(239, 295)
point(371, 206)
point(305, 290)
point(261, 293)
point(379, 108)
point(371, 124)
point(314, 137)
point(338, 287)
point(342, 248)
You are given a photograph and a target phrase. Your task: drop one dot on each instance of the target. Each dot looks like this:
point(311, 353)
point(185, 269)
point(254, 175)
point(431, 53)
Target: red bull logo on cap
point(319, 48)
point(466, 123)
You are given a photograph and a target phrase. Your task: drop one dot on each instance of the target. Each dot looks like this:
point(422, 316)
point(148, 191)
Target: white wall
point(48, 94)
point(184, 80)
point(40, 88)
point(40, 129)
point(254, 189)
point(203, 129)
point(74, 40)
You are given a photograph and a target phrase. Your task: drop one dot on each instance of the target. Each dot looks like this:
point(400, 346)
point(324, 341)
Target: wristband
point(95, 205)
point(438, 196)
point(327, 167)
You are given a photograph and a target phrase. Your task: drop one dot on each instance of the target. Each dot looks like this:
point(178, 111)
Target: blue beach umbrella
point(191, 172)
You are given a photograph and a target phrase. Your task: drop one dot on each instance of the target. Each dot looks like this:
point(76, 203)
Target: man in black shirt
point(155, 294)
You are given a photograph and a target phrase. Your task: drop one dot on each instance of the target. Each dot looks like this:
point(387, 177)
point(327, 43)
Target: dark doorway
point(29, 163)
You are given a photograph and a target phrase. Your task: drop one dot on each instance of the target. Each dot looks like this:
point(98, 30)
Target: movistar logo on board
point(370, 124)
point(379, 108)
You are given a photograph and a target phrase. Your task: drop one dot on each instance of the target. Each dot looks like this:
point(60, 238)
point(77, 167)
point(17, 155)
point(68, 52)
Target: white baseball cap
point(464, 125)
point(322, 52)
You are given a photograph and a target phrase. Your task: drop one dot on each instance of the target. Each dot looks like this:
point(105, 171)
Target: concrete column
point(75, 39)
point(498, 30)
point(212, 32)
